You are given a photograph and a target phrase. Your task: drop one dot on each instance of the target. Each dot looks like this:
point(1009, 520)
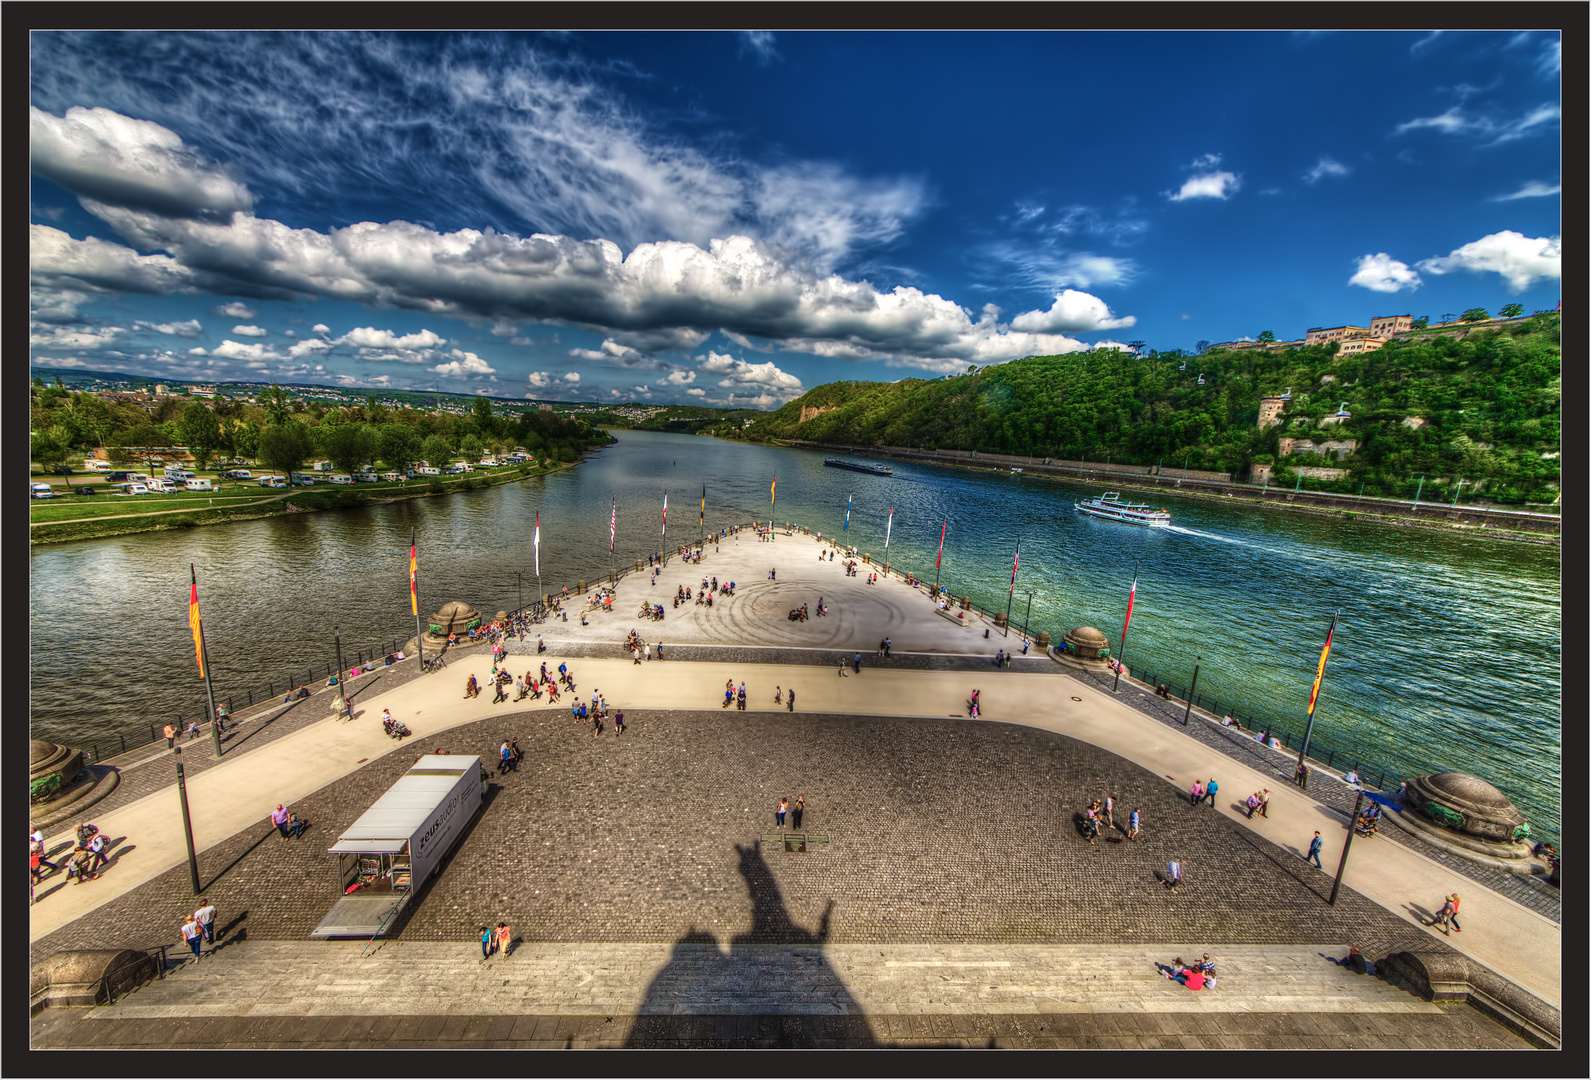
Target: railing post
point(123, 739)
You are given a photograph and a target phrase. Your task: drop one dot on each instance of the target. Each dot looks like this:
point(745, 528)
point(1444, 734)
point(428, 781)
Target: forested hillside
point(1489, 403)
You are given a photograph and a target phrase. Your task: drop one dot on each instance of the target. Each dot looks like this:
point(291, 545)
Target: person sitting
point(1352, 777)
point(1192, 978)
point(1356, 962)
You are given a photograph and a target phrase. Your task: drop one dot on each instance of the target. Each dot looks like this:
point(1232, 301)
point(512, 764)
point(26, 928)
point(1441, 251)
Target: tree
point(1475, 314)
point(437, 451)
point(285, 447)
point(277, 408)
point(1422, 322)
point(398, 446)
point(472, 448)
point(1200, 346)
point(49, 453)
point(482, 409)
point(350, 446)
point(1136, 346)
point(1265, 337)
point(1448, 317)
point(246, 440)
point(145, 437)
point(1512, 311)
point(200, 432)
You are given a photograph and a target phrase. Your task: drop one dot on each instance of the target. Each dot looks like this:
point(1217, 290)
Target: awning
point(367, 847)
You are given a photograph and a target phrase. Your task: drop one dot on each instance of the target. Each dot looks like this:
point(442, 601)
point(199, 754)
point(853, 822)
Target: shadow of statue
point(773, 987)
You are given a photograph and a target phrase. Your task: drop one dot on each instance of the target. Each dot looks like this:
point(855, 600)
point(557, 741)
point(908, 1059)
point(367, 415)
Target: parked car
point(95, 465)
point(119, 477)
point(272, 482)
point(238, 474)
point(133, 489)
point(199, 484)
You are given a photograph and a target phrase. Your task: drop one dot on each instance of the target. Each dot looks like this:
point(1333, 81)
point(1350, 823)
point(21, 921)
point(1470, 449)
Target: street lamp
point(1343, 862)
point(342, 676)
point(1189, 710)
point(1028, 615)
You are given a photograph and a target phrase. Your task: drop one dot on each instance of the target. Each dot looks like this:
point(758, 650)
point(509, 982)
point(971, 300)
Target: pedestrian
point(171, 736)
point(843, 672)
point(1314, 850)
point(740, 698)
point(1174, 875)
point(858, 663)
point(193, 730)
point(279, 818)
point(505, 937)
point(1253, 803)
point(1110, 811)
point(660, 650)
point(504, 755)
point(515, 755)
point(1209, 790)
point(596, 723)
point(797, 811)
point(488, 942)
point(205, 917)
point(194, 936)
point(501, 694)
point(1024, 644)
point(1090, 825)
point(85, 833)
point(97, 847)
point(618, 723)
point(37, 838)
point(881, 648)
point(519, 689)
point(887, 644)
point(1132, 824)
point(77, 866)
point(778, 815)
point(648, 651)
point(1265, 802)
point(1448, 916)
point(789, 701)
point(778, 695)
point(1196, 793)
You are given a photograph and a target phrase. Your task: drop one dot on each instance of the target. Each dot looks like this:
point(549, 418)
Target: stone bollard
point(639, 564)
point(580, 587)
point(966, 603)
point(867, 558)
point(999, 619)
point(1043, 639)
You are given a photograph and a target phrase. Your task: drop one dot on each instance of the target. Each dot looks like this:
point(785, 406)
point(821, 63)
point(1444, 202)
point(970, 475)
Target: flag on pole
point(536, 544)
point(414, 590)
point(703, 521)
point(613, 525)
point(773, 489)
point(193, 621)
point(1128, 620)
point(1320, 672)
point(889, 526)
point(665, 513)
point(941, 555)
point(847, 524)
point(1014, 561)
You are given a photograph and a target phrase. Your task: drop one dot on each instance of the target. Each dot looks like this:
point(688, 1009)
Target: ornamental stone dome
point(1087, 641)
point(455, 617)
point(1468, 805)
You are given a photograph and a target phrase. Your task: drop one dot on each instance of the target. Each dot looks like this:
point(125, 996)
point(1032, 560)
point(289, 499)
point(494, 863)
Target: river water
point(1446, 654)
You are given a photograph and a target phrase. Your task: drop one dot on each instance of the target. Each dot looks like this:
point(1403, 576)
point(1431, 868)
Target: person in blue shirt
point(1314, 851)
point(1209, 791)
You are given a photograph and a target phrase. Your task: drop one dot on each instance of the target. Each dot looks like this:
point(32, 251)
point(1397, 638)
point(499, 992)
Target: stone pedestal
point(1468, 817)
point(63, 786)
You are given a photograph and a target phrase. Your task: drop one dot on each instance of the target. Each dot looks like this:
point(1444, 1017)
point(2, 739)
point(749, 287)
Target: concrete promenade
point(238, 792)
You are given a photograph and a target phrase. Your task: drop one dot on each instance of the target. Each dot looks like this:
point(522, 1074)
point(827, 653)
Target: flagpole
point(701, 523)
point(1011, 594)
point(1314, 696)
point(1122, 651)
point(887, 530)
point(414, 602)
point(204, 655)
point(773, 500)
point(941, 555)
point(541, 597)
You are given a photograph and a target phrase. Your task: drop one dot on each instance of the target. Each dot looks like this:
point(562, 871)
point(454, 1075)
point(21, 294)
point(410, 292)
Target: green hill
point(1489, 403)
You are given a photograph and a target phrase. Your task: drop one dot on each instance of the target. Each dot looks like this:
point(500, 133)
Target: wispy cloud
point(1424, 43)
point(1326, 167)
point(1456, 121)
point(759, 43)
point(1533, 189)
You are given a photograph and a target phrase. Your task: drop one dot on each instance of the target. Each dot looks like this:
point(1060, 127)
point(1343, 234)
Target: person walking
point(858, 663)
point(1132, 824)
point(778, 815)
point(97, 847)
point(505, 937)
point(618, 723)
point(887, 644)
point(280, 817)
point(1265, 801)
point(1252, 803)
point(797, 811)
point(37, 848)
point(1196, 793)
point(789, 701)
point(194, 936)
point(205, 917)
point(647, 651)
point(515, 755)
point(171, 736)
point(881, 648)
point(1109, 812)
point(1174, 875)
point(504, 755)
point(1209, 790)
point(740, 698)
point(1314, 851)
point(488, 943)
point(1448, 916)
point(660, 650)
point(499, 691)
point(843, 672)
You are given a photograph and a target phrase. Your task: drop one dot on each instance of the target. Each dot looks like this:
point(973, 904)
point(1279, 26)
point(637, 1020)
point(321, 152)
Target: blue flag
point(847, 524)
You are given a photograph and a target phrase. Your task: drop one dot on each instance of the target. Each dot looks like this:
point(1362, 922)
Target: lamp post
point(187, 824)
point(1337, 884)
point(342, 677)
point(1189, 710)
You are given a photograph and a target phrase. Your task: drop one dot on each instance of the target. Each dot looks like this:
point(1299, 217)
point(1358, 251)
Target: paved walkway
point(238, 792)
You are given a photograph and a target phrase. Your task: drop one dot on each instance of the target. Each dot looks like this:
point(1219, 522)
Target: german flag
point(414, 588)
point(1320, 672)
point(193, 621)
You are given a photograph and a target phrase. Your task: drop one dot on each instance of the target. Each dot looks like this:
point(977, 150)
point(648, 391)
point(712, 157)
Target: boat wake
point(1207, 536)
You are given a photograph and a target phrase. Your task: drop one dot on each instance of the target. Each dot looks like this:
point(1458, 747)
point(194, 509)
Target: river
point(1446, 654)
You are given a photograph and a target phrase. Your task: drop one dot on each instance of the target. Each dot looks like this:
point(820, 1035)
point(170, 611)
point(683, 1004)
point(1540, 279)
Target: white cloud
point(826, 212)
point(611, 350)
point(1458, 122)
point(678, 378)
point(540, 379)
point(320, 328)
point(1533, 189)
point(309, 346)
point(190, 328)
point(235, 310)
point(69, 337)
point(1206, 161)
point(250, 331)
point(55, 305)
point(464, 363)
point(760, 44)
point(644, 391)
point(1382, 273)
point(57, 261)
point(696, 391)
point(254, 350)
point(1074, 311)
point(1424, 42)
point(1551, 59)
point(1326, 167)
point(763, 383)
point(1216, 185)
point(368, 337)
point(503, 328)
point(571, 377)
point(103, 155)
point(1521, 260)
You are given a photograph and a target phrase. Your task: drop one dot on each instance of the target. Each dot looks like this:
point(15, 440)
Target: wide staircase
point(268, 993)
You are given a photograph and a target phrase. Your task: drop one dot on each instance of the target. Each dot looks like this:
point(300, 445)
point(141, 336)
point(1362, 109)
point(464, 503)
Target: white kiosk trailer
point(400, 842)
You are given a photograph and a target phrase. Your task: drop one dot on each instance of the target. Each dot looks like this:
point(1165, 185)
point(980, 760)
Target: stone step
point(259, 978)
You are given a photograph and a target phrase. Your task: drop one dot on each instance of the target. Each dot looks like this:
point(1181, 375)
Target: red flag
point(941, 554)
point(193, 621)
point(1017, 559)
point(1320, 672)
point(414, 592)
point(1128, 620)
point(665, 513)
point(613, 525)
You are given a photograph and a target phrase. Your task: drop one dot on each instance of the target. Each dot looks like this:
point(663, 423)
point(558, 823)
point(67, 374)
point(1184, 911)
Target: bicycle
point(436, 663)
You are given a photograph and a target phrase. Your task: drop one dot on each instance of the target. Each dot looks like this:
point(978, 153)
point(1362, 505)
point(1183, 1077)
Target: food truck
point(385, 856)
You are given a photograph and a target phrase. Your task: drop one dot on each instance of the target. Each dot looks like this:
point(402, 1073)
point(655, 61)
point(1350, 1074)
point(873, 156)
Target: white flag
point(538, 543)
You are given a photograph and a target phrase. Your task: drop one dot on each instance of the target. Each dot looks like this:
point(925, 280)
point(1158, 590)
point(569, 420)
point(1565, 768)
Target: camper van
point(199, 484)
point(303, 479)
point(341, 478)
point(272, 482)
point(429, 470)
point(178, 473)
point(160, 486)
point(133, 489)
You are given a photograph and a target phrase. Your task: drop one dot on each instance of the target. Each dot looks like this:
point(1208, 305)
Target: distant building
point(1271, 409)
point(1384, 326)
point(1341, 447)
point(1342, 414)
point(544, 407)
point(1360, 345)
point(1319, 335)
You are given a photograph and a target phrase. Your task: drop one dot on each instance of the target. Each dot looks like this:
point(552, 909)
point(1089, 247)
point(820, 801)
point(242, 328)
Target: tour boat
point(1109, 505)
point(857, 466)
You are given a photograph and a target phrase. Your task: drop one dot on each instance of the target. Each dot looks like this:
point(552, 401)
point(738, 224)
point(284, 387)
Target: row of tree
point(1489, 403)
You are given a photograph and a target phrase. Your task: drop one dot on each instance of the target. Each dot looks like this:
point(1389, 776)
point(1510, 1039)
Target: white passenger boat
point(1110, 505)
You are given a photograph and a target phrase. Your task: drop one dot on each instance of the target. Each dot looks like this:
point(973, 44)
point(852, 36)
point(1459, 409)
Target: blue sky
point(734, 218)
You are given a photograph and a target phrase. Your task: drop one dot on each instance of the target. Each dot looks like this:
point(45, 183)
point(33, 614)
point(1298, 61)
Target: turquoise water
point(1446, 654)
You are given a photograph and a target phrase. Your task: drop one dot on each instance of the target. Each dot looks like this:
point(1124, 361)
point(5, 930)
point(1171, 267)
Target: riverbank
point(1517, 526)
point(294, 502)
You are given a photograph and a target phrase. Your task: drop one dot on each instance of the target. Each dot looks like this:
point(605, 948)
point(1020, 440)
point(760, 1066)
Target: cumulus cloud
point(250, 331)
point(368, 337)
point(1072, 310)
point(253, 350)
point(57, 260)
point(1326, 167)
point(55, 305)
point(696, 391)
point(464, 363)
point(540, 379)
point(320, 328)
point(1521, 260)
point(750, 385)
point(1211, 185)
point(69, 337)
point(678, 378)
point(103, 155)
point(309, 346)
point(1382, 273)
point(1533, 189)
point(571, 377)
point(190, 328)
point(612, 351)
point(235, 310)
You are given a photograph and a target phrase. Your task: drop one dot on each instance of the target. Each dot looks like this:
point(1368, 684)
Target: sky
point(731, 219)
